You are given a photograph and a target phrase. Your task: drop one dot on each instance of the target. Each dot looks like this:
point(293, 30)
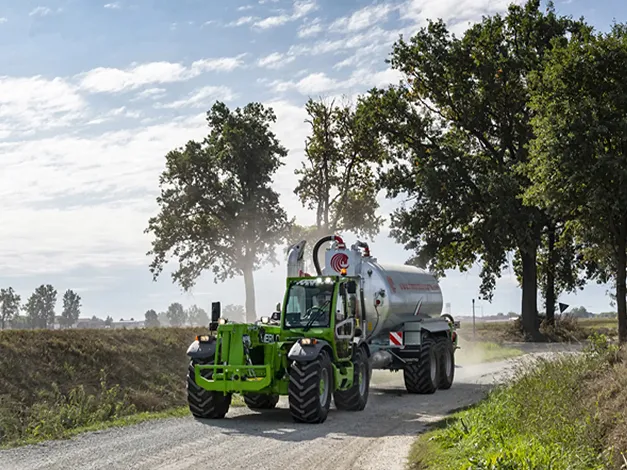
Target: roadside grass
point(557, 414)
point(54, 384)
point(566, 329)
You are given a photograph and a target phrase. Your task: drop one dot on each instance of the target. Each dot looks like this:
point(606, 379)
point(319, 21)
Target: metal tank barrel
point(403, 293)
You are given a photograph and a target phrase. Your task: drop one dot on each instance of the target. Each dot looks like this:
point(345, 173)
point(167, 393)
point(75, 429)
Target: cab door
point(344, 325)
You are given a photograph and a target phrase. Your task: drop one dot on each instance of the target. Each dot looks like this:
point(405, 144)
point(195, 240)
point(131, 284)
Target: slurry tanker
point(332, 329)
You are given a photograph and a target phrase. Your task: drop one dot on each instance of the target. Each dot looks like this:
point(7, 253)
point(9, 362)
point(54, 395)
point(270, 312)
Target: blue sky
point(94, 93)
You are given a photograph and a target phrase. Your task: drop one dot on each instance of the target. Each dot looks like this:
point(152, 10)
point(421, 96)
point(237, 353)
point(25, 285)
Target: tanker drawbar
point(333, 327)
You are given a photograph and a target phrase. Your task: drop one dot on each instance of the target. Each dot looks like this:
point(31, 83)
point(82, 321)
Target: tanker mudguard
point(198, 350)
point(300, 353)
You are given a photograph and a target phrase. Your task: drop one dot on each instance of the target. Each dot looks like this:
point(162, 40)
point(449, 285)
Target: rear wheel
point(356, 397)
point(203, 403)
point(423, 376)
point(447, 363)
point(310, 389)
point(260, 401)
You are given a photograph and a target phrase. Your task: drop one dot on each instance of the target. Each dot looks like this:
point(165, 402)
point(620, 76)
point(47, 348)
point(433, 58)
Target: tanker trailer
point(400, 309)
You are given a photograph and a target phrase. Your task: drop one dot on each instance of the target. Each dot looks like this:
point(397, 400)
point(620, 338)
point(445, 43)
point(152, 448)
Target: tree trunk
point(550, 279)
point(249, 286)
point(529, 308)
point(621, 291)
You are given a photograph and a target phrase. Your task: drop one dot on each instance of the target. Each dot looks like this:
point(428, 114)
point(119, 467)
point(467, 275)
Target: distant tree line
point(39, 311)
point(176, 316)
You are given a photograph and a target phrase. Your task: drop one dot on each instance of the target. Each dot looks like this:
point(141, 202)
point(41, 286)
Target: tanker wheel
point(423, 376)
point(260, 401)
point(310, 389)
point(356, 397)
point(203, 403)
point(447, 363)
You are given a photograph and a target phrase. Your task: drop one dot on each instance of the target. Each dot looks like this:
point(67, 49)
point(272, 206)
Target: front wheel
point(356, 397)
point(310, 389)
point(203, 403)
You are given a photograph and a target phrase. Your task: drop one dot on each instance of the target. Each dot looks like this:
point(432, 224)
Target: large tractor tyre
point(203, 403)
point(356, 397)
point(310, 389)
point(260, 401)
point(423, 376)
point(447, 363)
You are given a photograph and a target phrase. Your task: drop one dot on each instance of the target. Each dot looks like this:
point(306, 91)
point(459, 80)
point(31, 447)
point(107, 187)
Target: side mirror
point(278, 307)
point(215, 311)
point(351, 287)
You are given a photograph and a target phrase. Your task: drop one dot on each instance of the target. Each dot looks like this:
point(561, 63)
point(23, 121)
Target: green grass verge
point(566, 413)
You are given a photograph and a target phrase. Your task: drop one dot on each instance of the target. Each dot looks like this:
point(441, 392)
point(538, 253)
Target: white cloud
point(244, 7)
point(275, 60)
point(40, 11)
point(242, 21)
point(105, 79)
point(150, 93)
point(36, 104)
point(3, 20)
point(321, 83)
point(300, 9)
point(310, 29)
point(202, 98)
point(113, 6)
point(362, 19)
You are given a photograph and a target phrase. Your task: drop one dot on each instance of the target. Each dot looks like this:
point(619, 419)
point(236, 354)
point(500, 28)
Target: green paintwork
point(232, 373)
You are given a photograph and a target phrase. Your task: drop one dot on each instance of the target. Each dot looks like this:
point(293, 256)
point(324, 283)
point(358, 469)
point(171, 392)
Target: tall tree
point(336, 179)
point(460, 122)
point(40, 306)
point(71, 309)
point(108, 321)
point(176, 314)
point(9, 305)
point(218, 210)
point(579, 157)
point(151, 319)
point(197, 316)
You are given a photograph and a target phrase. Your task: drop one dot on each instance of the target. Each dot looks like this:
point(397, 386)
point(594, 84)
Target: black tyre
point(356, 397)
point(203, 403)
point(260, 401)
point(447, 363)
point(310, 389)
point(423, 376)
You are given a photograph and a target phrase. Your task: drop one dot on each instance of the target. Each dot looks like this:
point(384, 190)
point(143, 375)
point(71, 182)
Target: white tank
point(393, 294)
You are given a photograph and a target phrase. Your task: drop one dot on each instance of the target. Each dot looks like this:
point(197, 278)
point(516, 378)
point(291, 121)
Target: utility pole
point(473, 319)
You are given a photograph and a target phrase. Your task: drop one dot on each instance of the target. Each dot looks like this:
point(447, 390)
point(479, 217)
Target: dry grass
point(55, 381)
point(566, 329)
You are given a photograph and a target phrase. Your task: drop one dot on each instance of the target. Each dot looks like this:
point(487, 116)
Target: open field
point(567, 329)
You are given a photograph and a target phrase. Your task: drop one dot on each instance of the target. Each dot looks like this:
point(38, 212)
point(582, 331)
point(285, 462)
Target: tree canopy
point(71, 308)
point(40, 306)
point(218, 210)
point(9, 305)
point(579, 156)
point(459, 124)
point(336, 179)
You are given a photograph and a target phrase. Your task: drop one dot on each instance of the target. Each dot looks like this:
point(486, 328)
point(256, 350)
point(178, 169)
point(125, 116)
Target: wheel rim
point(324, 386)
point(433, 364)
point(362, 379)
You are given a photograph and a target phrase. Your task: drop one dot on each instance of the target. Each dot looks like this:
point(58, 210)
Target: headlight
point(308, 341)
point(203, 338)
point(222, 321)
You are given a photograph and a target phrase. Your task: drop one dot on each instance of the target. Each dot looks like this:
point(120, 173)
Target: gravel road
point(379, 437)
